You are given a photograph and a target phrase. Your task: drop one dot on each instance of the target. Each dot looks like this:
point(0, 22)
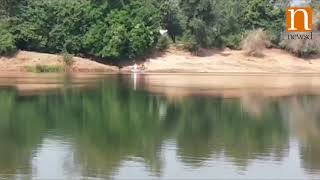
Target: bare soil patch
point(229, 61)
point(25, 60)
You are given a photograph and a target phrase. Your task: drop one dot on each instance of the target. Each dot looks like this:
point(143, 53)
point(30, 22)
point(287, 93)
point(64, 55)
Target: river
point(119, 128)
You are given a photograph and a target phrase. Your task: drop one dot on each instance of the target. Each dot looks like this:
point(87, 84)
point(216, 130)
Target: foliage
point(169, 10)
point(126, 33)
point(199, 18)
point(127, 29)
point(10, 7)
point(229, 28)
point(163, 43)
point(255, 42)
point(224, 23)
point(52, 26)
point(7, 42)
point(110, 31)
point(190, 44)
point(232, 41)
point(266, 15)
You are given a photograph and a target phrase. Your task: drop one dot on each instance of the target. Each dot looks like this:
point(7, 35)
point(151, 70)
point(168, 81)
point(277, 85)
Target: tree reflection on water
point(113, 124)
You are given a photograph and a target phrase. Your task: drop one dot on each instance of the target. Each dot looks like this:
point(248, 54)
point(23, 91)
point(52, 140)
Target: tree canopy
point(127, 29)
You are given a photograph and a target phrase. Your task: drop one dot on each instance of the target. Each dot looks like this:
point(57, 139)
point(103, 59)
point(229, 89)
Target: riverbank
point(24, 61)
point(231, 61)
point(175, 61)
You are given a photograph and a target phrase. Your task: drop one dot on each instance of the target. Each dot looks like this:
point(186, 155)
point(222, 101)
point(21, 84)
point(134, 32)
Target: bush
point(255, 42)
point(302, 48)
point(233, 41)
point(67, 58)
point(163, 43)
point(7, 42)
point(190, 44)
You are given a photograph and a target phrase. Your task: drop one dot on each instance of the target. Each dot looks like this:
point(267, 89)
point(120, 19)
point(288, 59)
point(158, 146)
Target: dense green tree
point(10, 7)
point(126, 29)
point(52, 26)
point(199, 18)
point(106, 29)
point(267, 15)
point(213, 23)
point(229, 29)
point(170, 12)
point(7, 42)
point(125, 33)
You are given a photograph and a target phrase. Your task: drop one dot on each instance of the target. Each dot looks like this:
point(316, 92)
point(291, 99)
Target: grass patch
point(45, 69)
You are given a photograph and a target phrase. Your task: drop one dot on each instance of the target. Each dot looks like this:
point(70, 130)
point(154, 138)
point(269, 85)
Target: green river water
point(117, 131)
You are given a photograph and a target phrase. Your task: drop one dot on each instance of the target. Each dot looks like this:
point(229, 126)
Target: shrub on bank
point(255, 42)
point(306, 47)
point(233, 41)
point(302, 48)
point(190, 44)
point(163, 43)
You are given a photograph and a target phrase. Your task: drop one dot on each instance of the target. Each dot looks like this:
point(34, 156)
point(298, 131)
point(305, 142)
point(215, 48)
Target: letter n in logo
point(299, 19)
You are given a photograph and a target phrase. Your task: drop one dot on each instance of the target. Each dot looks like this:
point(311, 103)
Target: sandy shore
point(273, 61)
point(23, 59)
point(176, 74)
point(177, 61)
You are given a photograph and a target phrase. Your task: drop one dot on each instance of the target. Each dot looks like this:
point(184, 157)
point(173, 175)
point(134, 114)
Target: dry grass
point(316, 20)
point(45, 69)
point(255, 42)
point(305, 47)
point(302, 48)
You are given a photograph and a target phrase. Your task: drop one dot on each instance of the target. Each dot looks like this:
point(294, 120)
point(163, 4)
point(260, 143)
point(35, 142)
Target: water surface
point(118, 129)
